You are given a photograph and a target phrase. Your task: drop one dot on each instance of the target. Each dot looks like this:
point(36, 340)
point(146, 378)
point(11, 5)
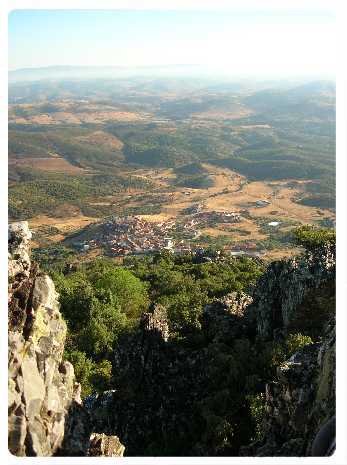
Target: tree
point(125, 289)
point(100, 333)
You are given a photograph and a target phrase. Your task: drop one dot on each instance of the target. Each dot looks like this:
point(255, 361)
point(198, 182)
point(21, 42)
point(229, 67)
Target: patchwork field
point(54, 164)
point(169, 150)
point(280, 198)
point(65, 225)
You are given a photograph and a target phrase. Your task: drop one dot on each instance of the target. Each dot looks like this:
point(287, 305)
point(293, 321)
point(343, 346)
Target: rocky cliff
point(299, 401)
point(293, 296)
point(46, 415)
point(287, 296)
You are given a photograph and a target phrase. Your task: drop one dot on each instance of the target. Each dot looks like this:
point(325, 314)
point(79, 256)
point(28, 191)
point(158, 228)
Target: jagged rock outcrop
point(223, 319)
point(105, 446)
point(148, 393)
point(285, 293)
point(297, 295)
point(159, 383)
point(42, 386)
point(156, 322)
point(299, 401)
point(46, 415)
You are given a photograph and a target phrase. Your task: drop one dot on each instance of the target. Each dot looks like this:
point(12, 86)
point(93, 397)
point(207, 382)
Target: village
point(121, 236)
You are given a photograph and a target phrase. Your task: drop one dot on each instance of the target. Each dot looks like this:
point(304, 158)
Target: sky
point(271, 41)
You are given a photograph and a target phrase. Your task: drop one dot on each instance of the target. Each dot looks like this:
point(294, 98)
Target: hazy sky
point(300, 41)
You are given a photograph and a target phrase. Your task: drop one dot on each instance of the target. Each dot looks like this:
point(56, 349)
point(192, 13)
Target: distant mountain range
point(56, 73)
point(94, 72)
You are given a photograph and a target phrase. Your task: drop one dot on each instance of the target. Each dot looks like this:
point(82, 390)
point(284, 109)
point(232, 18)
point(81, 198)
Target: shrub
point(295, 342)
point(257, 409)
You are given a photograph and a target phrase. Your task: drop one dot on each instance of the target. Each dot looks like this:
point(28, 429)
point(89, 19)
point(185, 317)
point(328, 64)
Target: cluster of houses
point(122, 236)
point(201, 219)
point(134, 235)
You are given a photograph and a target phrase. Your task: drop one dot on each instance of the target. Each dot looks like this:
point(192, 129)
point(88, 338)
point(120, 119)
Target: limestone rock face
point(138, 361)
point(41, 386)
